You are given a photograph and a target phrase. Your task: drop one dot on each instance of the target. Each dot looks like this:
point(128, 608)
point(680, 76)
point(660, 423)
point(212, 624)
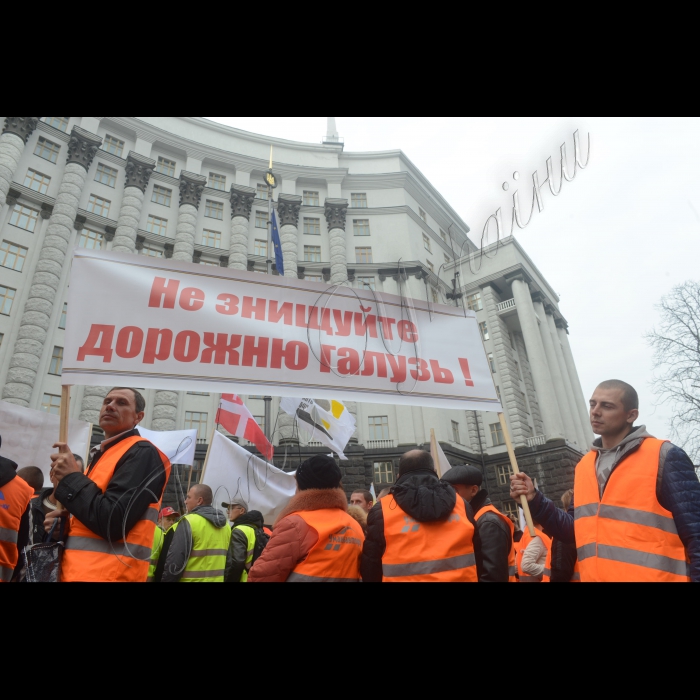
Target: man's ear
point(633, 415)
point(139, 417)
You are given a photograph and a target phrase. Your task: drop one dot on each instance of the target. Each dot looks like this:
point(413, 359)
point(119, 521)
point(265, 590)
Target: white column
point(242, 199)
point(568, 386)
point(546, 396)
point(36, 319)
point(581, 401)
point(12, 142)
point(555, 373)
point(336, 214)
point(138, 174)
point(288, 208)
point(191, 188)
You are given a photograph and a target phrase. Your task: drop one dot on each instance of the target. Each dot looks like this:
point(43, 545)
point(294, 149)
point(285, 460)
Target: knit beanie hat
point(319, 473)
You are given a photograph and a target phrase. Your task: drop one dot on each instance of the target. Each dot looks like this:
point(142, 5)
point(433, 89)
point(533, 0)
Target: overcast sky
point(617, 239)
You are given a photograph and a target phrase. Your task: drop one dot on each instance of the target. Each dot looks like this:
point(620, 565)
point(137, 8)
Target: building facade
point(192, 190)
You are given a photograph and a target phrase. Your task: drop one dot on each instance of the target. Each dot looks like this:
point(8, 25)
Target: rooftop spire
point(332, 135)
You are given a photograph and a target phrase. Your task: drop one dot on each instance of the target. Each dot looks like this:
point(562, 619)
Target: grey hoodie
point(178, 553)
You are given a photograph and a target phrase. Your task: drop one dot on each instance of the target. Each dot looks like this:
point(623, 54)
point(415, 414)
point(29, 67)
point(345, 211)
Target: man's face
point(608, 414)
point(193, 501)
point(118, 414)
point(467, 492)
point(169, 522)
point(235, 512)
point(358, 499)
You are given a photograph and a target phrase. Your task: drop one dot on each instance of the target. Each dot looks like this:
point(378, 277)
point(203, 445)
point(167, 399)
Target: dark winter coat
point(564, 560)
point(239, 544)
point(38, 516)
point(496, 543)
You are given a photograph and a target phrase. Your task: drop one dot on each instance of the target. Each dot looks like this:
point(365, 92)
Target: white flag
point(332, 429)
point(177, 445)
point(233, 472)
point(442, 464)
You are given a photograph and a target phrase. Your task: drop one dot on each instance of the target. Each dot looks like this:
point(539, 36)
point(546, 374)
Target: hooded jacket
point(8, 472)
point(181, 543)
point(423, 497)
point(677, 489)
point(239, 544)
point(495, 540)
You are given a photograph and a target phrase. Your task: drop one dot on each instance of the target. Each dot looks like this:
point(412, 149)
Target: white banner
point(28, 437)
point(233, 472)
point(177, 445)
point(168, 325)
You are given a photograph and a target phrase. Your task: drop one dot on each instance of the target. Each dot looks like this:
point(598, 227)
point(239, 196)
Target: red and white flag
point(239, 421)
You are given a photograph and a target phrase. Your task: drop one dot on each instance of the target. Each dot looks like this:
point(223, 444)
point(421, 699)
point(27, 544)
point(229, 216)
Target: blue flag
point(277, 244)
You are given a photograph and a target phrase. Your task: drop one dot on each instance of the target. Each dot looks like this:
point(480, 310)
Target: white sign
point(170, 325)
point(28, 437)
point(233, 472)
point(177, 445)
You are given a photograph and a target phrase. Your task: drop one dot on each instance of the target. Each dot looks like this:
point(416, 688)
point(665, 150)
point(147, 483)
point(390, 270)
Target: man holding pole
point(114, 506)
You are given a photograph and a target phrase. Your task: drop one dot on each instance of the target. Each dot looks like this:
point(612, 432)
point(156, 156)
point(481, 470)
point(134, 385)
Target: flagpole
point(271, 183)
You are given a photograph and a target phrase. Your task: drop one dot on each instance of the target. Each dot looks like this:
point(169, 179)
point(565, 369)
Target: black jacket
point(564, 559)
point(8, 472)
point(423, 497)
point(38, 516)
point(138, 481)
point(496, 543)
point(239, 544)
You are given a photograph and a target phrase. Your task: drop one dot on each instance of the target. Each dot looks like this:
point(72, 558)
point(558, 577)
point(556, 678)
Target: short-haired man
point(635, 515)
point(199, 549)
point(423, 532)
point(34, 477)
point(247, 528)
point(362, 499)
point(115, 505)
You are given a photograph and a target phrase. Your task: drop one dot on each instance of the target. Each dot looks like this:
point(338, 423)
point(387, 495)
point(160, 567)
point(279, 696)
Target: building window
point(260, 248)
point(503, 473)
point(37, 181)
point(211, 238)
point(64, 316)
point(383, 473)
point(359, 200)
point(436, 296)
point(98, 205)
point(151, 252)
point(367, 283)
point(2, 337)
point(51, 404)
point(214, 210)
point(492, 363)
point(363, 255)
point(312, 199)
point(263, 192)
point(198, 422)
point(260, 219)
point(196, 393)
point(56, 366)
point(361, 227)
point(217, 182)
point(443, 235)
point(423, 215)
point(157, 225)
point(312, 227)
point(313, 278)
point(484, 331)
point(48, 150)
point(511, 510)
point(7, 298)
point(426, 243)
point(113, 145)
point(497, 435)
point(379, 428)
point(431, 267)
point(456, 437)
point(474, 302)
point(500, 400)
point(106, 175)
point(24, 217)
point(210, 264)
point(90, 240)
point(166, 167)
point(60, 123)
point(448, 259)
point(162, 195)
point(312, 253)
point(12, 256)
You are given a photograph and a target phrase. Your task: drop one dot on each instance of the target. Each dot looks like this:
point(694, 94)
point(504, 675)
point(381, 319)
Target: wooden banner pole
point(516, 470)
point(206, 459)
point(65, 414)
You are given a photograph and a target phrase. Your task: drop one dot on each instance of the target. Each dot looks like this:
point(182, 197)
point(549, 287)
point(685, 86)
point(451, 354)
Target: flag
point(238, 420)
point(332, 429)
point(277, 244)
point(442, 464)
point(177, 445)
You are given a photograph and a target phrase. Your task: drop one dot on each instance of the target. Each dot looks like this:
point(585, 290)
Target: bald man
point(198, 551)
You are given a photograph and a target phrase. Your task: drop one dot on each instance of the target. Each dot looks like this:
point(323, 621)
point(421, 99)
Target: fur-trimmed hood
point(315, 499)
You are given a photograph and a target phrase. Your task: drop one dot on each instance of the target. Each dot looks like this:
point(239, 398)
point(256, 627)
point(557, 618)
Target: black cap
point(464, 476)
point(319, 473)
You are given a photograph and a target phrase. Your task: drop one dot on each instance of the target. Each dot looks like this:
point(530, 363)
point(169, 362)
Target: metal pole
point(268, 399)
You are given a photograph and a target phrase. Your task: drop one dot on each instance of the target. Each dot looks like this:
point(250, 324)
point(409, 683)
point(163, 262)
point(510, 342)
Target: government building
point(193, 190)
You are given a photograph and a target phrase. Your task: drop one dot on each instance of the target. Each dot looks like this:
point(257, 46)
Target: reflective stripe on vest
point(627, 536)
point(14, 500)
point(512, 567)
point(336, 556)
point(88, 558)
point(210, 546)
point(158, 541)
point(428, 552)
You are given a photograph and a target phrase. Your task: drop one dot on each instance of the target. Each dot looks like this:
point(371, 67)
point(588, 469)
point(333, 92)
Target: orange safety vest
point(512, 566)
point(524, 544)
point(91, 559)
point(627, 536)
point(576, 578)
point(336, 556)
point(14, 499)
point(416, 552)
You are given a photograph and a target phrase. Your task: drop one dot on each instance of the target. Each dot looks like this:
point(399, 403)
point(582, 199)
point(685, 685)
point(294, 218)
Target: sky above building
point(616, 240)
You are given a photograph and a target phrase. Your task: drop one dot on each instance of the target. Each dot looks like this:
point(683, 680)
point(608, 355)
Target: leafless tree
point(676, 344)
